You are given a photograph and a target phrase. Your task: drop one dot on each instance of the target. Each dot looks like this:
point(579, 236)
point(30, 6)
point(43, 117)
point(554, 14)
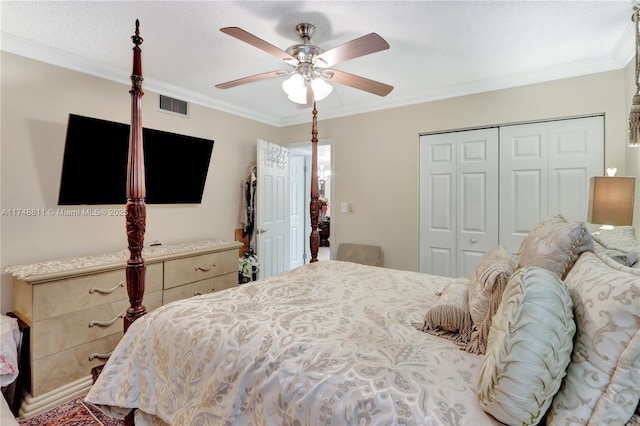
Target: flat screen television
point(94, 169)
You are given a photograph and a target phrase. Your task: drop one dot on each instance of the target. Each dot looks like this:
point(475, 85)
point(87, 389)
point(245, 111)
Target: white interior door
point(438, 204)
point(297, 232)
point(458, 200)
point(523, 181)
point(576, 153)
point(272, 208)
point(477, 195)
point(544, 171)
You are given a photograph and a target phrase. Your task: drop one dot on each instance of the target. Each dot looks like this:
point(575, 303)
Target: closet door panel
point(576, 153)
point(437, 204)
point(544, 171)
point(477, 212)
point(566, 193)
point(523, 177)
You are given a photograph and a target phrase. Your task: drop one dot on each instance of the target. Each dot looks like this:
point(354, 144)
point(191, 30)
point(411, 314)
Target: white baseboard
point(32, 406)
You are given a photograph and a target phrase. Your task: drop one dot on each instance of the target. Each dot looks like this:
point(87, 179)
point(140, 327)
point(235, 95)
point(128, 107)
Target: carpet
point(74, 413)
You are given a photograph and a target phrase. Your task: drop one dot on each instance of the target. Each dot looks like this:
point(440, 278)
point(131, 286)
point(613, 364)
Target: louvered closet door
point(544, 171)
point(458, 200)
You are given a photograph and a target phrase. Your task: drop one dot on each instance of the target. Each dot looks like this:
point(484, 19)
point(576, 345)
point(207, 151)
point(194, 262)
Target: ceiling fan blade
point(361, 83)
point(251, 79)
point(247, 37)
point(370, 43)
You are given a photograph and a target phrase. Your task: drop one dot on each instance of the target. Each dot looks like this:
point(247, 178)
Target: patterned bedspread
point(331, 343)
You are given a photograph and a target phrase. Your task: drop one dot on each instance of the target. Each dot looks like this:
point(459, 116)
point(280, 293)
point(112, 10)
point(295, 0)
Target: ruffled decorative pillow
point(555, 244)
point(449, 316)
point(603, 380)
point(529, 348)
point(485, 293)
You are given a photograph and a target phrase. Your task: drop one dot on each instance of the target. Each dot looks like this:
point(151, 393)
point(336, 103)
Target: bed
point(550, 335)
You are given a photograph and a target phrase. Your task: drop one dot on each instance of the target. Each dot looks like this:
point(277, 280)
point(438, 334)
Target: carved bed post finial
point(314, 238)
point(136, 209)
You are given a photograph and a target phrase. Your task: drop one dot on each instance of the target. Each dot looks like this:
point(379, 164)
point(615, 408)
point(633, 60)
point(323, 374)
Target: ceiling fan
point(310, 65)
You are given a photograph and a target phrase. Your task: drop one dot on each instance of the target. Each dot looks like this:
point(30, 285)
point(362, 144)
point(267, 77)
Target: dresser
point(75, 307)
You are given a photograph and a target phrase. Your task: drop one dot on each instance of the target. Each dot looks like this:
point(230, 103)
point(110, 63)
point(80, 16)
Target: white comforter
point(327, 343)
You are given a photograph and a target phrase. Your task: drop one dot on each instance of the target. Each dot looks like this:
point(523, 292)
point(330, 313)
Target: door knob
point(473, 241)
point(261, 231)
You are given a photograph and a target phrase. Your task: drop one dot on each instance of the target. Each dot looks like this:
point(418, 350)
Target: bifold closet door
point(544, 171)
point(458, 200)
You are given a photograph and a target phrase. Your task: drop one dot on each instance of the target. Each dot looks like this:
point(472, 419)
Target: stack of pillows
point(558, 326)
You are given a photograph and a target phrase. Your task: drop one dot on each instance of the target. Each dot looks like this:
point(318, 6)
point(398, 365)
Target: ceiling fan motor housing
point(305, 52)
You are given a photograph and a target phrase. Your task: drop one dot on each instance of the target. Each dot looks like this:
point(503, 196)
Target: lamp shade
point(611, 200)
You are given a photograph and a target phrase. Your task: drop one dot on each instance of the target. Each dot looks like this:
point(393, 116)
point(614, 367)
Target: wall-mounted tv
point(94, 169)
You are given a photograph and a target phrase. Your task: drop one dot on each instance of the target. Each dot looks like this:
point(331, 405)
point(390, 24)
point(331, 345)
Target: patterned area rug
point(74, 413)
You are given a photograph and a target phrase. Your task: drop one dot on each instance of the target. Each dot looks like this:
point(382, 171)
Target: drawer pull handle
point(199, 293)
point(105, 323)
point(106, 290)
point(205, 268)
point(99, 356)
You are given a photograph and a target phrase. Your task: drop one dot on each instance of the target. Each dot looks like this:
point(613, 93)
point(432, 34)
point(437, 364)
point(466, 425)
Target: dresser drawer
point(73, 294)
point(64, 367)
point(66, 331)
point(187, 270)
point(200, 287)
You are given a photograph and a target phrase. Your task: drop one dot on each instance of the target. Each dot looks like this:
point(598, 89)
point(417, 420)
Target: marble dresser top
point(76, 264)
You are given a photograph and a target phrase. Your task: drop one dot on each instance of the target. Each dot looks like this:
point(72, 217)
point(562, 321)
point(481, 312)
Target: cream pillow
point(449, 316)
point(618, 243)
point(603, 380)
point(529, 347)
point(555, 244)
point(485, 293)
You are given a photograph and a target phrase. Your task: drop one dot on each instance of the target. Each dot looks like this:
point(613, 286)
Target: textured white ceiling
point(439, 49)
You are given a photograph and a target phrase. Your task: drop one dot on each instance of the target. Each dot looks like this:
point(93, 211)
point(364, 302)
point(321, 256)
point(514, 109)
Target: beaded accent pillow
point(555, 244)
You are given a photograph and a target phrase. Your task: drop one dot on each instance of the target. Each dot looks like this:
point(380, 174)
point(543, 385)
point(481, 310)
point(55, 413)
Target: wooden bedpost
point(314, 238)
point(136, 209)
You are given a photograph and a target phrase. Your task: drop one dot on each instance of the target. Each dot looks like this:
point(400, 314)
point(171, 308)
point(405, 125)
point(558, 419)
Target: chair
point(360, 253)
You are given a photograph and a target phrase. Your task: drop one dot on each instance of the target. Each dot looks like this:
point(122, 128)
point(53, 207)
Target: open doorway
point(300, 198)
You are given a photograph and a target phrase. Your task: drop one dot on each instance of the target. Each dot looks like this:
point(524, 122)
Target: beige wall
point(36, 101)
point(375, 168)
point(376, 154)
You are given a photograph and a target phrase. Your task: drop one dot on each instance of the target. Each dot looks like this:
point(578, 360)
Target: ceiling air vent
point(175, 106)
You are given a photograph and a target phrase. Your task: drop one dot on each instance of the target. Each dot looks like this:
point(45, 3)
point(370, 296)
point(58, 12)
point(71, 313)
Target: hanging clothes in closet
point(248, 208)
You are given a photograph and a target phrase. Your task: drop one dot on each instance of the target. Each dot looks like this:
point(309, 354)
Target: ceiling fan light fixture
point(321, 89)
point(295, 88)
